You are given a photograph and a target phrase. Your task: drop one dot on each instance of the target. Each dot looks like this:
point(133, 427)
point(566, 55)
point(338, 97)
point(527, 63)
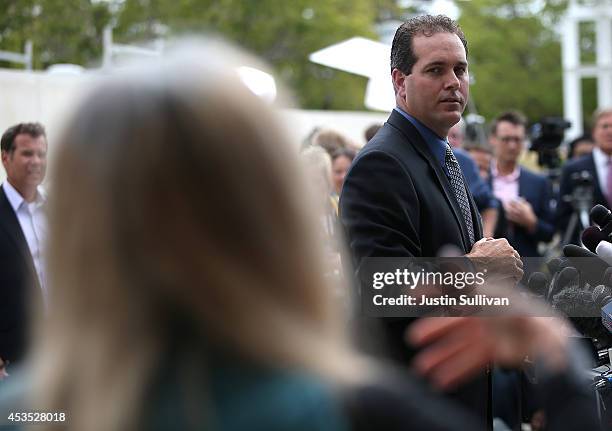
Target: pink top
point(505, 187)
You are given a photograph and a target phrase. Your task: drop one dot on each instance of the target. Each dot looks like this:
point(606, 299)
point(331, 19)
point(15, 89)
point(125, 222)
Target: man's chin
point(452, 117)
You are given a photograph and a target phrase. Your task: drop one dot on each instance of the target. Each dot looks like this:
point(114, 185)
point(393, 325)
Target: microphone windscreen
point(572, 250)
point(554, 264)
point(591, 269)
point(567, 276)
point(607, 277)
point(604, 251)
point(592, 236)
point(538, 283)
point(600, 214)
point(600, 293)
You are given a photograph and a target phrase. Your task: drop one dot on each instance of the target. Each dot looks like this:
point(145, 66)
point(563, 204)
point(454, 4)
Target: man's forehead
point(604, 118)
point(511, 127)
point(29, 140)
point(440, 40)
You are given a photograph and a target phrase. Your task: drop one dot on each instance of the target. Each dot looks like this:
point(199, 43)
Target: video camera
point(546, 138)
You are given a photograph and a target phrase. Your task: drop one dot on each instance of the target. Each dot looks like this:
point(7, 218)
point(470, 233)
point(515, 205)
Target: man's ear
point(398, 77)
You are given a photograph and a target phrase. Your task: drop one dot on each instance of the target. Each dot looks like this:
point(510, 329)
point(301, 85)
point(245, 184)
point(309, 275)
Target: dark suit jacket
point(397, 202)
point(537, 190)
point(18, 283)
point(564, 208)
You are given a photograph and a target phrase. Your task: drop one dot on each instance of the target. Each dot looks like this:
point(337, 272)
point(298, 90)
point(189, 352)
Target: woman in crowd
point(341, 162)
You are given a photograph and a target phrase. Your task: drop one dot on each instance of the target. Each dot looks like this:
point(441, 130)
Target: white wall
point(49, 99)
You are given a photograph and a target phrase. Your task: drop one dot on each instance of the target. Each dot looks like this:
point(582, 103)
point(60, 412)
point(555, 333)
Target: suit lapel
point(10, 224)
point(416, 140)
point(523, 188)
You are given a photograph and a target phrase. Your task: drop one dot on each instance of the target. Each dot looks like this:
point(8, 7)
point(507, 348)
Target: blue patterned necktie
point(458, 185)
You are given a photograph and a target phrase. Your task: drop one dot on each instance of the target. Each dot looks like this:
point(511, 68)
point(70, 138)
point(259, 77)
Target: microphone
point(538, 284)
point(554, 264)
point(606, 230)
point(601, 295)
point(604, 251)
point(601, 215)
point(591, 269)
point(606, 280)
point(575, 302)
point(567, 275)
point(591, 237)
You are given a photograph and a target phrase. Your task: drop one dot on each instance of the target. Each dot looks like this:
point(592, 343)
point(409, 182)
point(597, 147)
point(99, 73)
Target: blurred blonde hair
point(175, 193)
point(599, 113)
point(317, 160)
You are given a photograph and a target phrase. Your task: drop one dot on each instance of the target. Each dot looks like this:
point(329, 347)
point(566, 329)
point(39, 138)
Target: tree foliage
point(514, 57)
point(283, 33)
point(68, 31)
point(514, 47)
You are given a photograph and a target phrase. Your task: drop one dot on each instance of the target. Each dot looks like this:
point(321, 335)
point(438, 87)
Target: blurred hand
point(498, 257)
point(456, 348)
point(520, 212)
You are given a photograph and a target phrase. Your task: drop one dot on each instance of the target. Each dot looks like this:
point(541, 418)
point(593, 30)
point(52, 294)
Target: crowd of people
point(191, 270)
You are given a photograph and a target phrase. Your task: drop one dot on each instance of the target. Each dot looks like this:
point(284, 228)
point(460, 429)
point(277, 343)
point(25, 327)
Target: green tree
point(515, 56)
point(283, 33)
point(68, 31)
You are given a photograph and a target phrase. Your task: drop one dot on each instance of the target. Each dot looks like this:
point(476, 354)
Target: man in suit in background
point(525, 195)
point(597, 165)
point(527, 219)
point(22, 233)
point(404, 195)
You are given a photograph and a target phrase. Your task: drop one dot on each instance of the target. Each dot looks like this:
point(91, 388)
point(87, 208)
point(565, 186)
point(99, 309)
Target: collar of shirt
point(436, 144)
point(510, 178)
point(600, 158)
point(15, 198)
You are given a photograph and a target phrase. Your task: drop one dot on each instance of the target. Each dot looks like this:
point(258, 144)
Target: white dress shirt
point(33, 222)
point(601, 160)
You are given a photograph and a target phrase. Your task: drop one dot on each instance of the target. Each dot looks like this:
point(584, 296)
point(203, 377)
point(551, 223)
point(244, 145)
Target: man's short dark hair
point(7, 144)
point(402, 52)
point(512, 117)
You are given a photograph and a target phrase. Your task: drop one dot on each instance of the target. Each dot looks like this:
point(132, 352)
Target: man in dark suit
point(597, 165)
point(404, 195)
point(525, 195)
point(22, 231)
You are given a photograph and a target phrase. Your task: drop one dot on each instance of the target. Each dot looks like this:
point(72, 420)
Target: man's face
point(508, 141)
point(483, 161)
point(436, 90)
point(26, 165)
point(602, 133)
point(455, 136)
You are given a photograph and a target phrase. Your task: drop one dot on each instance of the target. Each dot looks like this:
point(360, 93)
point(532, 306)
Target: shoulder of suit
point(388, 140)
point(579, 163)
point(531, 175)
